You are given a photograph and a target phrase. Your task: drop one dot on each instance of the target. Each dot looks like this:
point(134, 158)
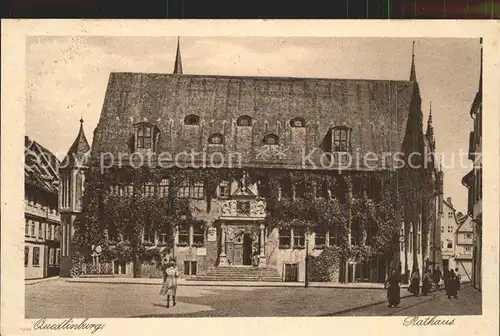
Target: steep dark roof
point(78, 150)
point(376, 110)
point(40, 167)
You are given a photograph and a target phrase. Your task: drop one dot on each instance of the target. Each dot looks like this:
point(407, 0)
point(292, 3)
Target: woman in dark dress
point(452, 285)
point(393, 295)
point(426, 283)
point(415, 283)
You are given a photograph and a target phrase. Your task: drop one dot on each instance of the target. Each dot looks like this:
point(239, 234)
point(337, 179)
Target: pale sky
point(66, 77)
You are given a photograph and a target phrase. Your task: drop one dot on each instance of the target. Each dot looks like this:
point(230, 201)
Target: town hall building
point(234, 122)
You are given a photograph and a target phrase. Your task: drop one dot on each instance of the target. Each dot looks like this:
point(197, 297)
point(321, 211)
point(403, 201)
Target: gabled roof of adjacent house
point(377, 111)
point(40, 167)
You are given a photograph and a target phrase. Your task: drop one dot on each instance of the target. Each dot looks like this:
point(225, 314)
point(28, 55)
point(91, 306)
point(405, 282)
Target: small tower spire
point(413, 73)
point(430, 129)
point(481, 67)
point(178, 61)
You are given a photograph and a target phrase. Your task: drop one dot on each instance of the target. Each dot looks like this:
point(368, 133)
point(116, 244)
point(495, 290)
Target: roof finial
point(413, 74)
point(178, 61)
point(81, 117)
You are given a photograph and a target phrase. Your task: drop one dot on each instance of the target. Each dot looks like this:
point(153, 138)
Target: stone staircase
point(238, 273)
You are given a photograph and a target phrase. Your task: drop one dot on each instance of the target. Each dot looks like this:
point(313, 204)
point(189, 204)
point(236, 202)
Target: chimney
point(448, 200)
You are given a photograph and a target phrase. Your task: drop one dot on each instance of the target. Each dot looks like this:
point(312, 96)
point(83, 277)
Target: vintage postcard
point(155, 173)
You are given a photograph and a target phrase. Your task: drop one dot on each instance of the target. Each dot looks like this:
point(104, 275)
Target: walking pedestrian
point(415, 283)
point(437, 276)
point(393, 293)
point(169, 287)
point(459, 278)
point(426, 282)
point(451, 285)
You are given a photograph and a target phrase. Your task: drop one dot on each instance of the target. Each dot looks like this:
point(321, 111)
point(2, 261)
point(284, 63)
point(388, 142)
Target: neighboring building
point(449, 225)
point(42, 218)
point(474, 180)
point(456, 240)
point(463, 246)
point(175, 113)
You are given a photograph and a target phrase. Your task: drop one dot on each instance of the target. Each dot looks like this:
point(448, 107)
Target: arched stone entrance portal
point(242, 244)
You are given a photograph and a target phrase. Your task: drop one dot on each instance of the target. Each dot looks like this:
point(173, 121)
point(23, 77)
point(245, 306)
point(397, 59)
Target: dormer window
point(192, 120)
point(341, 139)
point(298, 122)
point(244, 121)
point(216, 139)
point(144, 137)
point(270, 139)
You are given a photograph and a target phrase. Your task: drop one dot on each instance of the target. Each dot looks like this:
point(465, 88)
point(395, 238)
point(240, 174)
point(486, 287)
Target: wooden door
point(238, 254)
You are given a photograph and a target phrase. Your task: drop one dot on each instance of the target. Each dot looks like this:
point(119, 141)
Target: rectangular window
point(198, 190)
point(33, 229)
point(224, 189)
point(184, 190)
point(442, 229)
point(321, 189)
point(467, 248)
point(340, 140)
point(40, 230)
point(450, 214)
point(52, 257)
point(51, 232)
point(319, 238)
point(57, 233)
point(26, 228)
point(299, 235)
point(190, 267)
point(58, 256)
point(198, 234)
point(149, 189)
point(285, 238)
point(36, 256)
point(286, 190)
point(144, 137)
point(26, 255)
point(162, 238)
point(333, 237)
point(449, 244)
point(300, 190)
point(193, 267)
point(184, 234)
point(149, 234)
point(163, 188)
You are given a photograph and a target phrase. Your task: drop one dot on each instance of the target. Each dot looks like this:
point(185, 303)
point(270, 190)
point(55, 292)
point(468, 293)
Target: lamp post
point(306, 278)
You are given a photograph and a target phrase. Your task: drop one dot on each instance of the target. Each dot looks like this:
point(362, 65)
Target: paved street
point(142, 300)
point(128, 300)
point(468, 303)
